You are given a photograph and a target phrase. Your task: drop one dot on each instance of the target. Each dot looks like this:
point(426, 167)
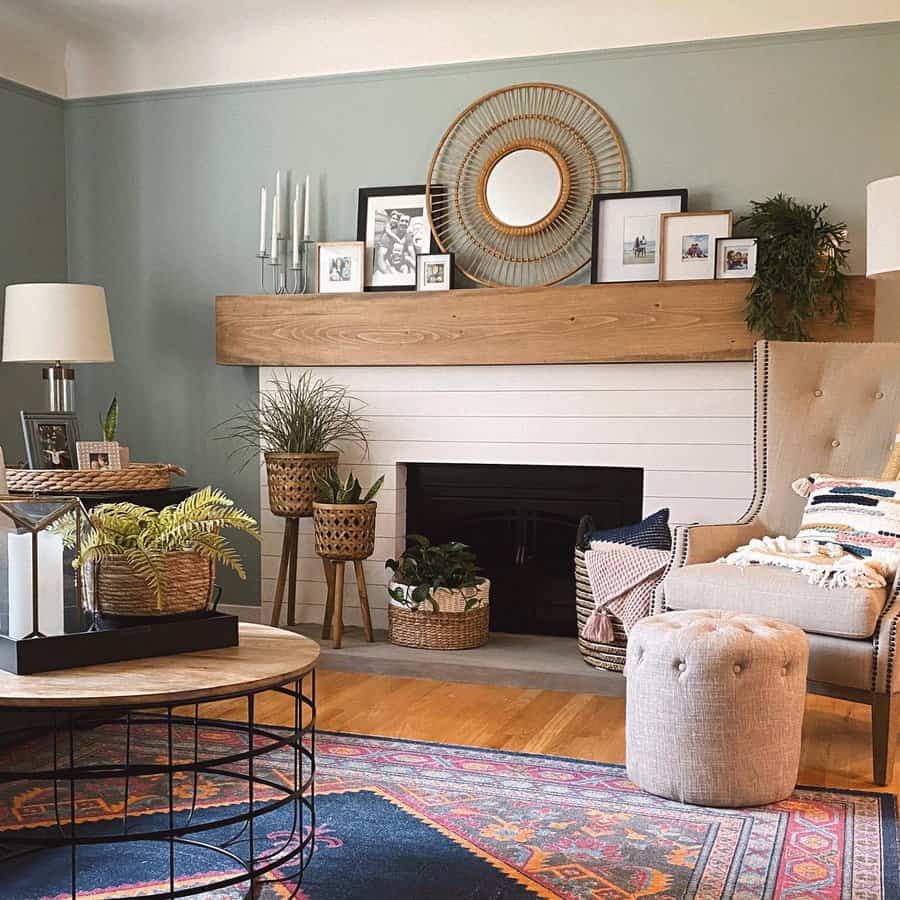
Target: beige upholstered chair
point(829, 408)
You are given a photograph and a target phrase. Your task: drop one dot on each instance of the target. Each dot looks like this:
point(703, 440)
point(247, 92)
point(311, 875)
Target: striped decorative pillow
point(862, 515)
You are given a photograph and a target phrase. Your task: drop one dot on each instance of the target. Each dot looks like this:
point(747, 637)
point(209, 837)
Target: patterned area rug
point(400, 820)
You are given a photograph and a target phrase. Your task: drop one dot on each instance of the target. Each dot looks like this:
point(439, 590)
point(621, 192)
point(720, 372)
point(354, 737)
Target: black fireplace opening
point(522, 522)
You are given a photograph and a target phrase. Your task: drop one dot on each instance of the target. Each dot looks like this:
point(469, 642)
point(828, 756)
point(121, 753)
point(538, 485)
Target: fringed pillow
point(861, 515)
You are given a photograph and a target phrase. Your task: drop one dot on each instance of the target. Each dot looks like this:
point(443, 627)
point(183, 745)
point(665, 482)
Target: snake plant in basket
point(344, 517)
point(138, 561)
point(439, 598)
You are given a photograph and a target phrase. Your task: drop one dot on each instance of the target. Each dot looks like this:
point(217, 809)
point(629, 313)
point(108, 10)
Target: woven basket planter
point(113, 588)
point(600, 655)
point(452, 628)
point(292, 483)
point(345, 531)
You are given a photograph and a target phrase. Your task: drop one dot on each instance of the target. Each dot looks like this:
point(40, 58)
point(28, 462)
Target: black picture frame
point(34, 422)
point(451, 278)
point(365, 195)
point(719, 276)
point(625, 195)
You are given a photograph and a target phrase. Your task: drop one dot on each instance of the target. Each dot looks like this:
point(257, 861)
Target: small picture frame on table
point(736, 257)
point(687, 243)
point(626, 234)
point(50, 439)
point(393, 223)
point(435, 272)
point(340, 267)
point(99, 455)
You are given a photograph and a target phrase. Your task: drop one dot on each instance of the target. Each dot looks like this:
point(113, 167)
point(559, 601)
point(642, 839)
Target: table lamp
point(883, 228)
point(57, 324)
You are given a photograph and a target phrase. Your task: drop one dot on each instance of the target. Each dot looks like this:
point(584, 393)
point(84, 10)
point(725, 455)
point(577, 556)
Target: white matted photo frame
point(394, 225)
point(736, 257)
point(626, 233)
point(687, 243)
point(435, 272)
point(50, 439)
point(99, 455)
point(340, 267)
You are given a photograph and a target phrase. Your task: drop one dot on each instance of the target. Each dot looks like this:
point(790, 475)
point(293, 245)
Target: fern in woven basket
point(142, 536)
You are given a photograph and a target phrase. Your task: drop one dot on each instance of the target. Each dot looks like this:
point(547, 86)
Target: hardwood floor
point(836, 736)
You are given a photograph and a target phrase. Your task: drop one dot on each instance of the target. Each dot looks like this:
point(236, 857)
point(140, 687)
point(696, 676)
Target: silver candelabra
point(281, 264)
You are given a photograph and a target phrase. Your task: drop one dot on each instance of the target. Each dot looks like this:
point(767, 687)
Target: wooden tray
point(136, 477)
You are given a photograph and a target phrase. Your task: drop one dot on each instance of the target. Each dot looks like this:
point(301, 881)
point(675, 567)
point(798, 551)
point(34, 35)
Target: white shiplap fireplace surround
point(688, 425)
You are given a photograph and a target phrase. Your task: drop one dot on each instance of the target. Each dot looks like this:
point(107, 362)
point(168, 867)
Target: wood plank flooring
point(836, 736)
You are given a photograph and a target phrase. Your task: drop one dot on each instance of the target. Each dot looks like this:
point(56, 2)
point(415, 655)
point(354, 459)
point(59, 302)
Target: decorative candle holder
point(286, 277)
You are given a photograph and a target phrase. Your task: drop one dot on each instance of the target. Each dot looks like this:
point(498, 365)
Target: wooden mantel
point(645, 322)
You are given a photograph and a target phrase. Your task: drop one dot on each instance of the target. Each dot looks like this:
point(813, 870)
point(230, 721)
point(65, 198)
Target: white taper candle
point(278, 200)
point(295, 228)
point(262, 221)
point(306, 210)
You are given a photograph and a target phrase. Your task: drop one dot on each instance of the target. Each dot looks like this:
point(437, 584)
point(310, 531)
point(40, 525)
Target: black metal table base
point(275, 765)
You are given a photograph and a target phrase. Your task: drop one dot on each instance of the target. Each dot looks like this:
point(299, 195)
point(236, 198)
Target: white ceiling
point(79, 48)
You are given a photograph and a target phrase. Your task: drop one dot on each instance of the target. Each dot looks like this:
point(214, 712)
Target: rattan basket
point(345, 530)
point(113, 588)
point(439, 630)
point(135, 477)
point(292, 483)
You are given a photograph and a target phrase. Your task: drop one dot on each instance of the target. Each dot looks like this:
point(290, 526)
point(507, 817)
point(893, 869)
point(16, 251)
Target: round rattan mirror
point(511, 183)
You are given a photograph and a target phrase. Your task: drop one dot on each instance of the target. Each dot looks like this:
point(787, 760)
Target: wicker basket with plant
point(141, 562)
point(438, 598)
point(344, 517)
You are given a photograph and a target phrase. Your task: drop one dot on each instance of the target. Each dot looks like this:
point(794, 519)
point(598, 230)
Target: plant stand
point(287, 572)
point(333, 624)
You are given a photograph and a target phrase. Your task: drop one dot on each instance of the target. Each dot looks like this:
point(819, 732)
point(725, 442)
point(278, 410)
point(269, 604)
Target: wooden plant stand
point(287, 572)
point(333, 625)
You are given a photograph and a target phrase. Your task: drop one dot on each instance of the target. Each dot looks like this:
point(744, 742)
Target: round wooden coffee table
point(149, 721)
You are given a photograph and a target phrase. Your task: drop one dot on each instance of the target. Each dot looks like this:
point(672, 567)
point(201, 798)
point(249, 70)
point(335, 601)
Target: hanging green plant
point(801, 268)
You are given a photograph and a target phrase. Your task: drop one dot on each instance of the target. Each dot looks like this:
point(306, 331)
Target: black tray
point(180, 634)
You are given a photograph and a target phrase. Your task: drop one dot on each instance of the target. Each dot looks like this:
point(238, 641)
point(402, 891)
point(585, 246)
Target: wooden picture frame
point(423, 278)
point(99, 455)
point(691, 267)
point(391, 248)
point(51, 439)
point(337, 282)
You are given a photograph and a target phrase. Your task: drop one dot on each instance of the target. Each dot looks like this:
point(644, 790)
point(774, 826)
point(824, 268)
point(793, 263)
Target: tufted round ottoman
point(715, 707)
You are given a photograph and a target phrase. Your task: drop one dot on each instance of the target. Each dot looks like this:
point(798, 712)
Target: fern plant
point(331, 489)
point(143, 536)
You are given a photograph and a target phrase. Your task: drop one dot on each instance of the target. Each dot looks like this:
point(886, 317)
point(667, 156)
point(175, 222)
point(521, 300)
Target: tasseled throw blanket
point(623, 579)
point(827, 565)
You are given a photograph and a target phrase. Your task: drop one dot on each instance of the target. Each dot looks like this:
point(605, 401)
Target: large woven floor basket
point(292, 482)
point(439, 630)
point(113, 588)
point(345, 531)
point(600, 655)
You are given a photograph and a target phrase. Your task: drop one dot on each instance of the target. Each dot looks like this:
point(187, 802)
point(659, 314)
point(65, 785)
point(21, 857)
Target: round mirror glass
point(523, 187)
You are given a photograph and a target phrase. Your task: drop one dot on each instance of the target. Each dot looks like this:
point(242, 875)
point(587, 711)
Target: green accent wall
point(32, 229)
point(163, 188)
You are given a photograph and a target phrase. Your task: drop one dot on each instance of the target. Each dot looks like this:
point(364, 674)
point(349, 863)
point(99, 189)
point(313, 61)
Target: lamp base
point(60, 387)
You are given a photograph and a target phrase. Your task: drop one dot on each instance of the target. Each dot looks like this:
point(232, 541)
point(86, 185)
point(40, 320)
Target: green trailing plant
point(142, 536)
point(801, 268)
point(109, 425)
point(331, 489)
point(298, 414)
point(426, 568)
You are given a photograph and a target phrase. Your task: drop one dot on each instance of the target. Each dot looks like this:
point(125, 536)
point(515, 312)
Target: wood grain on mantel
point(645, 322)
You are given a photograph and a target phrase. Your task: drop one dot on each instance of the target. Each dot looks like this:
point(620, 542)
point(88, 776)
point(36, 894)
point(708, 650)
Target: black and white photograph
point(99, 455)
point(435, 272)
point(626, 233)
point(736, 257)
point(393, 224)
point(686, 240)
point(339, 267)
point(50, 440)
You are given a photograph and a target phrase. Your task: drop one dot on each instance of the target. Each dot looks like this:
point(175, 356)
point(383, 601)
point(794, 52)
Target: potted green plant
point(439, 600)
point(344, 517)
point(109, 426)
point(298, 423)
point(801, 268)
point(141, 562)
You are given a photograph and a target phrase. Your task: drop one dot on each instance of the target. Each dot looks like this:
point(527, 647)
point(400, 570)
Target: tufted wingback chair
point(820, 407)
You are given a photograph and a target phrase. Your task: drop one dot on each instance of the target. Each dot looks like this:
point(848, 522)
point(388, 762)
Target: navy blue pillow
point(651, 534)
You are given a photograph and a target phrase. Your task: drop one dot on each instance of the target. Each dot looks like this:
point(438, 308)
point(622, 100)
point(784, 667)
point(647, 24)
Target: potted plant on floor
point(140, 562)
point(298, 423)
point(439, 600)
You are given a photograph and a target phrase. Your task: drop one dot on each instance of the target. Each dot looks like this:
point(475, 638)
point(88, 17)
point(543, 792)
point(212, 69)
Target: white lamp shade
point(50, 323)
point(883, 228)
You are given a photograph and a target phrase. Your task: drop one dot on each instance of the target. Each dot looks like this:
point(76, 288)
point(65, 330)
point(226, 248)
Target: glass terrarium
point(39, 588)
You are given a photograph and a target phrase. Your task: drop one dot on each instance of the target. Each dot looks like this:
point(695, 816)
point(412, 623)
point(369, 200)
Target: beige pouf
point(715, 707)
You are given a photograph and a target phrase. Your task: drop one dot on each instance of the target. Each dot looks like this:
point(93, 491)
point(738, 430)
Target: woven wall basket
point(292, 485)
point(135, 477)
point(113, 588)
point(600, 655)
point(345, 530)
